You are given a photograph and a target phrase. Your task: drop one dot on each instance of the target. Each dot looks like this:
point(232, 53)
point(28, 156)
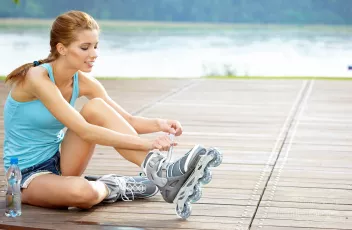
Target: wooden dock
point(287, 164)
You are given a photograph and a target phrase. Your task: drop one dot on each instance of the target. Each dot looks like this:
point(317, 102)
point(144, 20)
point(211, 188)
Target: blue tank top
point(32, 133)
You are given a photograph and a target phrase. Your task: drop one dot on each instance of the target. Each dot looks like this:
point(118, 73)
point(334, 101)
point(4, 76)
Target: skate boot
point(126, 188)
point(180, 182)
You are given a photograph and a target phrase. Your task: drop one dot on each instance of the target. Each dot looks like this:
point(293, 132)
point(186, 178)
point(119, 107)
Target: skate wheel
point(197, 194)
point(217, 158)
point(185, 212)
point(206, 177)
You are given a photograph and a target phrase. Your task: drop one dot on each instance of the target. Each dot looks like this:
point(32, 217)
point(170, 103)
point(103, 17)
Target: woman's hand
point(163, 143)
point(170, 126)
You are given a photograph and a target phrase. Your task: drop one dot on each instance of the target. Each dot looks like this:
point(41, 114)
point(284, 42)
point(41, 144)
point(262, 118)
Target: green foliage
point(214, 11)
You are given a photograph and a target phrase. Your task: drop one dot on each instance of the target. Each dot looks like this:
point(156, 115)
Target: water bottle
point(13, 193)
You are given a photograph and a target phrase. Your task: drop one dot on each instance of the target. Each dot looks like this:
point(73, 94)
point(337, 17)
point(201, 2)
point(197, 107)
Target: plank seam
point(298, 115)
point(280, 139)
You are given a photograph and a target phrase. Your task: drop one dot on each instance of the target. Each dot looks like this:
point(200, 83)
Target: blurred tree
point(236, 11)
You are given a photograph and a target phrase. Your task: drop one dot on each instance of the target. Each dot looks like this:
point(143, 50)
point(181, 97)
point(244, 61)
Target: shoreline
point(13, 23)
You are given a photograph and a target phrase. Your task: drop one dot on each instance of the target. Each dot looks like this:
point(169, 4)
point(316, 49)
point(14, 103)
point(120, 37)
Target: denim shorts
point(51, 165)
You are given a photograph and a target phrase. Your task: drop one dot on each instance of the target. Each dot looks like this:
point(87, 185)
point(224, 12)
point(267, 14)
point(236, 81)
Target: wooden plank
point(310, 185)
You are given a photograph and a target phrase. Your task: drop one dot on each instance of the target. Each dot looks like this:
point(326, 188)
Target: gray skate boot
point(126, 188)
point(180, 182)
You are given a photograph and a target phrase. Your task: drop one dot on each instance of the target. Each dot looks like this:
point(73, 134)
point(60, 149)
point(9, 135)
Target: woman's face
point(82, 53)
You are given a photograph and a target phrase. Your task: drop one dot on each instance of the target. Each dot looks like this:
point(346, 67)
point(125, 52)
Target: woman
point(40, 104)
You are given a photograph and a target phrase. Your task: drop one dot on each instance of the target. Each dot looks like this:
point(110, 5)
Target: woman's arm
point(92, 88)
point(40, 86)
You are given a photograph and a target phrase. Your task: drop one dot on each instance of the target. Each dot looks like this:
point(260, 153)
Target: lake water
point(196, 53)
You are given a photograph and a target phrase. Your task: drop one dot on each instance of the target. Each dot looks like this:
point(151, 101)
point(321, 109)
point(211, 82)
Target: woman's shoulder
point(88, 85)
point(24, 92)
point(85, 80)
point(37, 73)
point(36, 77)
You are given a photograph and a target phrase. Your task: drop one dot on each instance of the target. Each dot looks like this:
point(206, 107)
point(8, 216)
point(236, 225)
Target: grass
point(2, 78)
point(281, 78)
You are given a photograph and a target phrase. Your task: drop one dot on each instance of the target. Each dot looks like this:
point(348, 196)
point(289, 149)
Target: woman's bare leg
point(53, 191)
point(76, 153)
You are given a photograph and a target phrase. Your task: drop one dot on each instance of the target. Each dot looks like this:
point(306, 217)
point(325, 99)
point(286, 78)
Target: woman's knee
point(98, 112)
point(83, 194)
point(93, 109)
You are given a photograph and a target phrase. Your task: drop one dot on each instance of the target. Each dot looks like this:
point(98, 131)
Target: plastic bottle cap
point(14, 160)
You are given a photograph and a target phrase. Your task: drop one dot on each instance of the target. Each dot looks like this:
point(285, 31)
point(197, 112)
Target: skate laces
point(165, 163)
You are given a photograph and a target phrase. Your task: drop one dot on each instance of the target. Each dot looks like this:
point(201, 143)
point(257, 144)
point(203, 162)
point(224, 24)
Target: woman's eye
point(84, 48)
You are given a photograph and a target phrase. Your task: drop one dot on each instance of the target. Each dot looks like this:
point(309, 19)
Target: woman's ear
point(61, 49)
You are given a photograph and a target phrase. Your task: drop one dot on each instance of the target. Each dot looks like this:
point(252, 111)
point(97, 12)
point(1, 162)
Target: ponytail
point(18, 75)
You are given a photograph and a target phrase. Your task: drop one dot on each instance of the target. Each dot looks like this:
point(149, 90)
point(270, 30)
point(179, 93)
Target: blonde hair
point(63, 30)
